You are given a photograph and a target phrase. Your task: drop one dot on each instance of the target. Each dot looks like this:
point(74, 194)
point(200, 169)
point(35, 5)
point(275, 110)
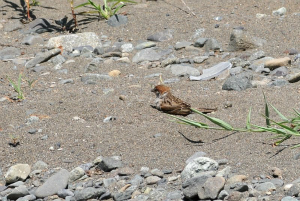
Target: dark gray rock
point(89, 193)
point(94, 65)
point(191, 186)
point(27, 198)
point(58, 59)
point(117, 20)
point(238, 186)
point(281, 71)
point(9, 53)
point(18, 192)
point(294, 190)
point(200, 42)
point(53, 184)
point(99, 50)
point(63, 193)
point(161, 36)
point(211, 188)
point(45, 56)
point(267, 186)
point(108, 164)
point(257, 55)
point(222, 195)
point(238, 82)
point(212, 44)
point(32, 131)
point(136, 180)
point(240, 40)
point(279, 83)
point(123, 195)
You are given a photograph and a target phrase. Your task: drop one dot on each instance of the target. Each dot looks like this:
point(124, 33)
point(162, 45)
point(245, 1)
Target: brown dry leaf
point(41, 116)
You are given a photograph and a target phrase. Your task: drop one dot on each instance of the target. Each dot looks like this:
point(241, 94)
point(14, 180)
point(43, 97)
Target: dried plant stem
point(73, 14)
point(188, 8)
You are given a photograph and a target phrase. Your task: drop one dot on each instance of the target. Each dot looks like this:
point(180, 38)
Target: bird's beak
point(152, 90)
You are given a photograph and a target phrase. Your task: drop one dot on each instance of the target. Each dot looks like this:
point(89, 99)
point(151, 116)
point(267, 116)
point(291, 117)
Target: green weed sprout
point(17, 87)
point(109, 8)
point(282, 130)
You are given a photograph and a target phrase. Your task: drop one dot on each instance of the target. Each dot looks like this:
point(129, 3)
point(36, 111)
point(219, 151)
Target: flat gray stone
point(184, 70)
point(191, 186)
point(267, 186)
point(183, 44)
point(147, 54)
point(53, 184)
point(110, 163)
point(40, 58)
point(144, 45)
point(9, 53)
point(32, 40)
point(69, 42)
point(211, 188)
point(200, 42)
point(89, 193)
point(18, 192)
point(13, 25)
point(161, 36)
point(117, 20)
point(91, 78)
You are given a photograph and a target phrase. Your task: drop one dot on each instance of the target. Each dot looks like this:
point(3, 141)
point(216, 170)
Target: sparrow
point(170, 104)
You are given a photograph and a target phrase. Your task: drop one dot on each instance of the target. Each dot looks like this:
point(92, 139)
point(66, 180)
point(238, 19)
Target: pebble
point(117, 20)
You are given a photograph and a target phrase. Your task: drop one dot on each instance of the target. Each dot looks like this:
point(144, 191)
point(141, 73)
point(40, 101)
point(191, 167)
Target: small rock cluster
point(106, 178)
point(245, 71)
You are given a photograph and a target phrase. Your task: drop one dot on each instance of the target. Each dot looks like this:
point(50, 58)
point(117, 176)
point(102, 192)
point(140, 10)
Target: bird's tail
point(207, 110)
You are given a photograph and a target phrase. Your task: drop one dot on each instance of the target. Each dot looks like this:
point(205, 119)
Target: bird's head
point(160, 90)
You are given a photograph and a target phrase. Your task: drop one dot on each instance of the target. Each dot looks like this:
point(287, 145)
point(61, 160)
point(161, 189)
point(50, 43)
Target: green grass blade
point(214, 120)
point(117, 9)
point(267, 113)
point(297, 112)
point(190, 122)
point(81, 5)
point(248, 124)
point(281, 115)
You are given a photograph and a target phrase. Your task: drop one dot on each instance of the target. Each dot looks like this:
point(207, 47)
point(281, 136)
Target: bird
point(170, 104)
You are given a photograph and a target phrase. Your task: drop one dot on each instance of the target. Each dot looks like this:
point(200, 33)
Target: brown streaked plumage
point(170, 104)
